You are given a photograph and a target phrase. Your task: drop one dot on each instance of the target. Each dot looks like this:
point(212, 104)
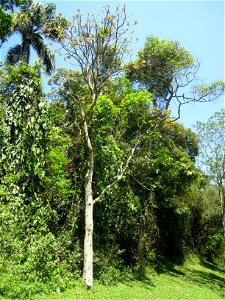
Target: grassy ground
point(191, 281)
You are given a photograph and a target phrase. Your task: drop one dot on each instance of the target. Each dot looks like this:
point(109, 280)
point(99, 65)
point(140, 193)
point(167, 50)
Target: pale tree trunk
point(89, 203)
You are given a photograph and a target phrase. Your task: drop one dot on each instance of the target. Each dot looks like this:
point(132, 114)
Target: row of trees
point(100, 159)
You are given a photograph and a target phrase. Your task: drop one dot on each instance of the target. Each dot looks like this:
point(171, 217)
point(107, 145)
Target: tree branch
point(120, 175)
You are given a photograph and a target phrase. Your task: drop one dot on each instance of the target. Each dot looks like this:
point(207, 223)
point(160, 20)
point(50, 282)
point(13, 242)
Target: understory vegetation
point(98, 180)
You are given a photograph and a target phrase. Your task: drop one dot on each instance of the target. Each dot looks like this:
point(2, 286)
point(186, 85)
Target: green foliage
point(215, 88)
point(109, 267)
point(168, 71)
point(203, 231)
point(5, 24)
point(36, 253)
point(9, 5)
point(39, 267)
point(161, 64)
point(212, 149)
point(2, 129)
point(162, 172)
point(211, 137)
point(26, 131)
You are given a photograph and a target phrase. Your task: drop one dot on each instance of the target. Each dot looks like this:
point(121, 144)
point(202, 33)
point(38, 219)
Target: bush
point(109, 267)
point(43, 266)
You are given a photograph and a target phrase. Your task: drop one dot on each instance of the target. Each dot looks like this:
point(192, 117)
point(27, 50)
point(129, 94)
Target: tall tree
point(167, 70)
point(212, 153)
point(31, 22)
point(98, 44)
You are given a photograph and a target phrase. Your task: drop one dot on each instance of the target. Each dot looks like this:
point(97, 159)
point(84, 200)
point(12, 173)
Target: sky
point(197, 25)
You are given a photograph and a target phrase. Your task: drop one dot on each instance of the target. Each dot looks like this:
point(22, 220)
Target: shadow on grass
point(215, 282)
point(139, 276)
point(212, 267)
point(168, 268)
point(142, 278)
point(204, 275)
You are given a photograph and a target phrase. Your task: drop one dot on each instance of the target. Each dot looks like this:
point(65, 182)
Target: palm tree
point(31, 23)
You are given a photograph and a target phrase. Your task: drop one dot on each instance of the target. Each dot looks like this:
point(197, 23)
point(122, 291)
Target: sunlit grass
point(191, 281)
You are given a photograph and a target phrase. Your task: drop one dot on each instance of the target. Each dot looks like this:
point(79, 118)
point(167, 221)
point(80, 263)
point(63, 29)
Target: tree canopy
point(167, 70)
point(212, 145)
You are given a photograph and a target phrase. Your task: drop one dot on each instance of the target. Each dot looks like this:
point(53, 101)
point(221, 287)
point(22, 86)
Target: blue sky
point(197, 25)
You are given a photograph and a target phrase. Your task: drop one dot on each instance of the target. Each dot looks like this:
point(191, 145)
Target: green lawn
point(191, 281)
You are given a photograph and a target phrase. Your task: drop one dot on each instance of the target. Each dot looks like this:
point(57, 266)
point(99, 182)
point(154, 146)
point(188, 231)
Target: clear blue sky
point(197, 25)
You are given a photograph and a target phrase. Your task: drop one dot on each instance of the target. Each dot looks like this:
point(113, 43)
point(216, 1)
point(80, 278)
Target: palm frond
point(50, 10)
point(40, 13)
point(14, 54)
point(43, 52)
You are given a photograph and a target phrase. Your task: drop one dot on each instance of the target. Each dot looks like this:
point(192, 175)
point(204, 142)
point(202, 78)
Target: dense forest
point(97, 178)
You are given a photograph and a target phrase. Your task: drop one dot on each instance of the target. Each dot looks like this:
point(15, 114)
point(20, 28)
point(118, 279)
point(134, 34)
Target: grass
point(191, 281)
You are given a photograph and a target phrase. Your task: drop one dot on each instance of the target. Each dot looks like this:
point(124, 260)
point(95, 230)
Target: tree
point(160, 173)
point(31, 22)
point(204, 232)
point(212, 153)
point(167, 70)
point(120, 116)
point(98, 44)
point(107, 128)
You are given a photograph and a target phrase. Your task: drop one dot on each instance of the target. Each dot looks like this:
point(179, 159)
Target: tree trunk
point(88, 239)
point(26, 51)
point(89, 203)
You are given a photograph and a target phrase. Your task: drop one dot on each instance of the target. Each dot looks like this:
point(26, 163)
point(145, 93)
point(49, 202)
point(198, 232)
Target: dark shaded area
point(171, 230)
point(147, 283)
point(167, 267)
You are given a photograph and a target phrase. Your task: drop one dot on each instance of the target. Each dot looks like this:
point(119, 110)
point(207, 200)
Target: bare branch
point(122, 171)
point(98, 44)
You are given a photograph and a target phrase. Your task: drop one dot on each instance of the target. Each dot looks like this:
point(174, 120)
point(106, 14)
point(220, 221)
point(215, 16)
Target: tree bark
point(26, 51)
point(89, 203)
